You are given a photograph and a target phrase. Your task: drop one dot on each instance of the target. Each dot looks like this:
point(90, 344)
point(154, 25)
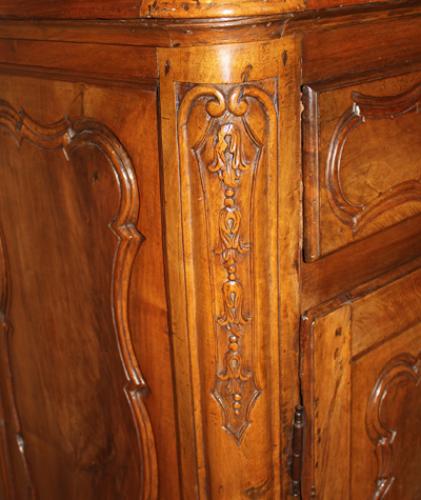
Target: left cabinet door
point(81, 281)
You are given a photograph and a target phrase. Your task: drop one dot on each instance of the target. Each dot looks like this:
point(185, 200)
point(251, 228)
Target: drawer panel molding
point(366, 108)
point(362, 406)
point(361, 162)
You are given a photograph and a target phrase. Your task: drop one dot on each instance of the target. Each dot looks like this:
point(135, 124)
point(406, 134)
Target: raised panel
point(363, 405)
point(362, 163)
point(230, 154)
point(76, 418)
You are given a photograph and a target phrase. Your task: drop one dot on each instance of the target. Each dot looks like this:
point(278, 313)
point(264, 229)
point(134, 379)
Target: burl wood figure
point(210, 250)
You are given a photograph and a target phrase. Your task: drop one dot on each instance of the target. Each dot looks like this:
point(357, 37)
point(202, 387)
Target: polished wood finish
point(210, 250)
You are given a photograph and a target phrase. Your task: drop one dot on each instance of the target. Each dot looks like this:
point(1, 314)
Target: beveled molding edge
point(70, 135)
point(186, 9)
point(229, 9)
point(182, 28)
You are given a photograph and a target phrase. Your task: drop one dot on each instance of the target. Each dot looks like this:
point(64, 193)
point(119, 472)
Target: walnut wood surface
point(210, 250)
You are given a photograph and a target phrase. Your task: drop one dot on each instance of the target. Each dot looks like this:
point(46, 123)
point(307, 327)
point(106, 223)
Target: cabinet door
point(74, 271)
point(362, 394)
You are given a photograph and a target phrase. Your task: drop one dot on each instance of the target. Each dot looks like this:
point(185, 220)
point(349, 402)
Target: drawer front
point(361, 366)
point(362, 160)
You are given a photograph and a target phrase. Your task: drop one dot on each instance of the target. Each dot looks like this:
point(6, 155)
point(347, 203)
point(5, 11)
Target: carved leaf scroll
point(230, 152)
point(364, 109)
point(70, 135)
point(403, 369)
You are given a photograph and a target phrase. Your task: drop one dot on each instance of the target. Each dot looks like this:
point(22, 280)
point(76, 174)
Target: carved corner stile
point(70, 135)
point(222, 169)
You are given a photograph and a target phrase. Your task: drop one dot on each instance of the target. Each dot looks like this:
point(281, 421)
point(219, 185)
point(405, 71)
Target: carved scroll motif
point(230, 152)
point(70, 135)
point(367, 108)
point(403, 369)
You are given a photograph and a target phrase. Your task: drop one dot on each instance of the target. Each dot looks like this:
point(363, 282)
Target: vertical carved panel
point(70, 136)
point(227, 251)
point(229, 152)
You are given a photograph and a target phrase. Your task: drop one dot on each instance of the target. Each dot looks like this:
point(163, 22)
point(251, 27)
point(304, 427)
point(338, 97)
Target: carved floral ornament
point(231, 152)
point(364, 109)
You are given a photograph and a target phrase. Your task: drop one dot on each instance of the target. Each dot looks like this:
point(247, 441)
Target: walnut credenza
point(210, 259)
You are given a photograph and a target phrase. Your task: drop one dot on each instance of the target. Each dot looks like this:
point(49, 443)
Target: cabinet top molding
point(165, 9)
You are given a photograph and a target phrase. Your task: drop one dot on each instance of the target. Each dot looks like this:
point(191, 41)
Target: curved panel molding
point(70, 135)
point(364, 109)
point(402, 370)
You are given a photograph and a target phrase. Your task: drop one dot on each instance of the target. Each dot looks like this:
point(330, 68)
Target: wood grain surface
point(210, 250)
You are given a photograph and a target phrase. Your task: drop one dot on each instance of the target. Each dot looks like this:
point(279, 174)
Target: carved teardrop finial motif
point(228, 153)
point(235, 387)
